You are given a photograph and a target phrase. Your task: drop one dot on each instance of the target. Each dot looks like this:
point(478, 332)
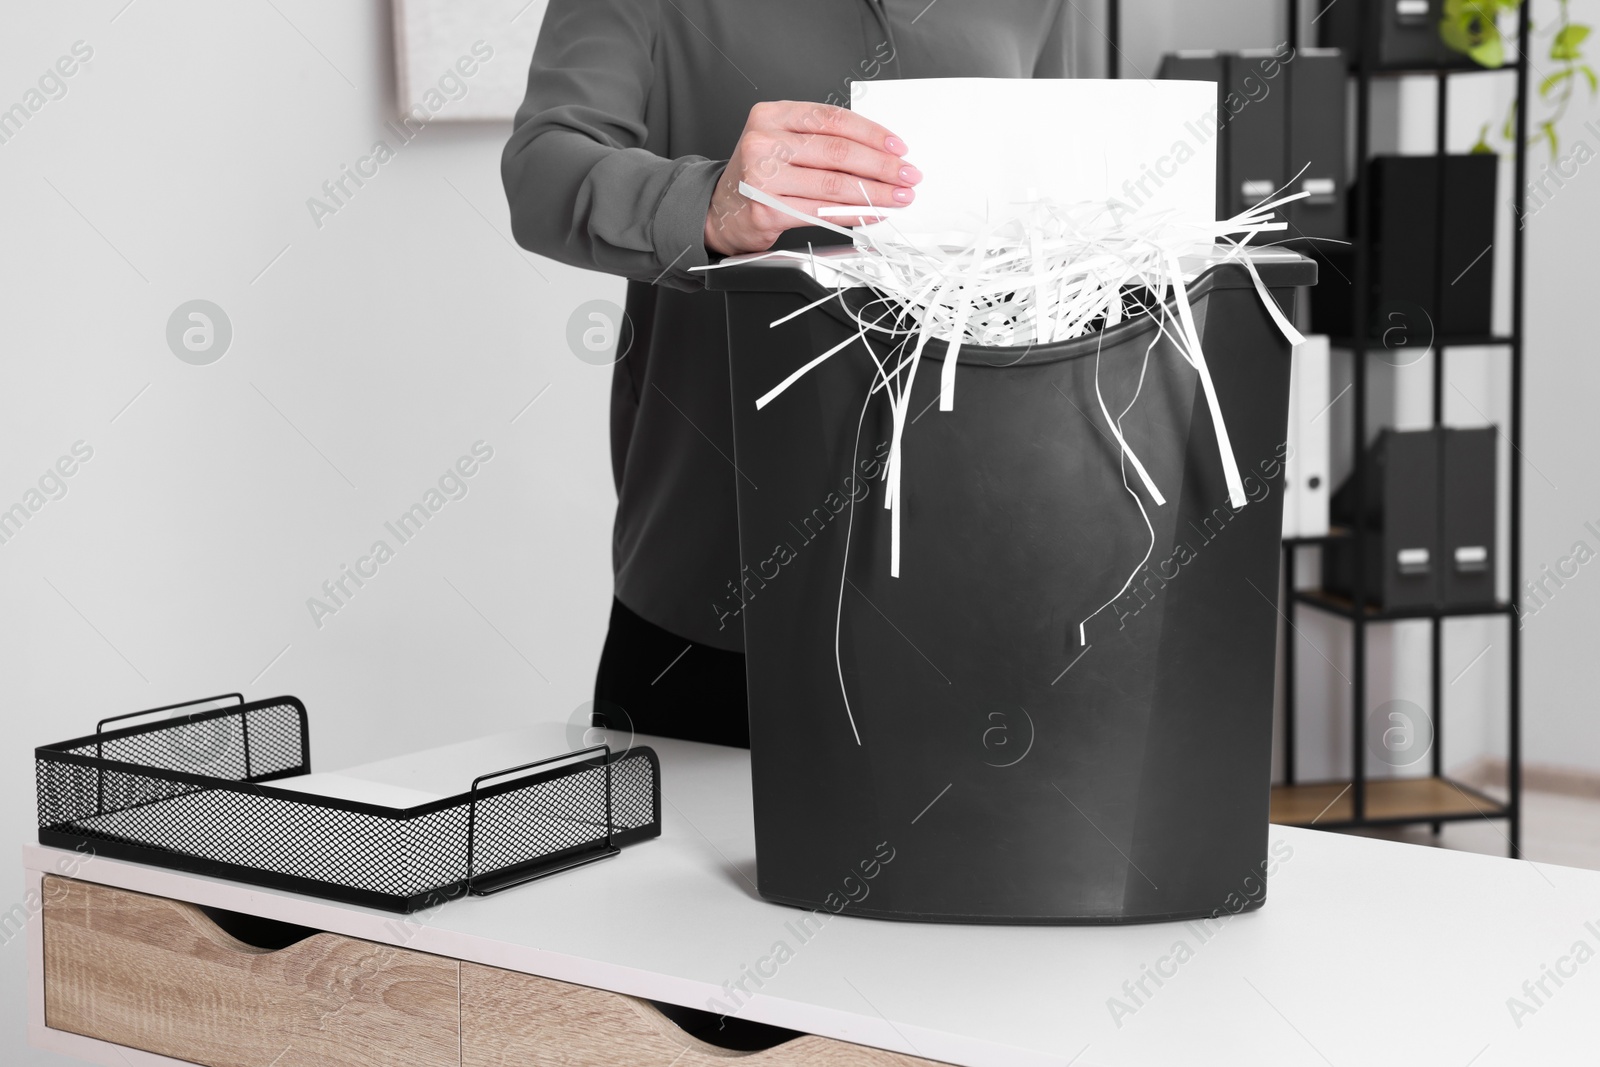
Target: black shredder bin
point(988, 768)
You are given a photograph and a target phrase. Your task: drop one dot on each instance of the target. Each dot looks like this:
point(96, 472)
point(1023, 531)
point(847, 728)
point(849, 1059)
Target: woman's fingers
point(851, 157)
point(803, 116)
point(836, 187)
point(812, 156)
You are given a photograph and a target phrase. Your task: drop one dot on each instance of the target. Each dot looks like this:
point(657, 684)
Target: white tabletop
point(1367, 952)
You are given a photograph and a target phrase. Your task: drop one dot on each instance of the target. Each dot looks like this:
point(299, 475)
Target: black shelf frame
point(1364, 72)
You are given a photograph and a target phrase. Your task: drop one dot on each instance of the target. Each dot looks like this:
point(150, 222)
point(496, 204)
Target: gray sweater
point(633, 108)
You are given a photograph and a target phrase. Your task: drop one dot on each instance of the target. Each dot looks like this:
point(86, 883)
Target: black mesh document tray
point(191, 792)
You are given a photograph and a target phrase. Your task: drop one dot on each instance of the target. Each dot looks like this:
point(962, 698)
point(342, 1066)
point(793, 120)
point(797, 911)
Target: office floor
point(1556, 828)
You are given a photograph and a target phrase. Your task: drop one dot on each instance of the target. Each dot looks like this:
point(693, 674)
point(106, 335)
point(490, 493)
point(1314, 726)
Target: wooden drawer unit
point(160, 976)
point(509, 1019)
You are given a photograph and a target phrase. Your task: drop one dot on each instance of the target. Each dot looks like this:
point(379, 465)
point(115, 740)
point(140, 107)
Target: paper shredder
point(939, 746)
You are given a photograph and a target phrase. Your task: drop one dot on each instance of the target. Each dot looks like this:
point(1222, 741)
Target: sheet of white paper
point(987, 145)
point(366, 791)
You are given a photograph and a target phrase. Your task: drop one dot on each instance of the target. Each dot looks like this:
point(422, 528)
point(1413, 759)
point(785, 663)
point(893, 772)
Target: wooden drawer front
point(510, 1019)
point(158, 975)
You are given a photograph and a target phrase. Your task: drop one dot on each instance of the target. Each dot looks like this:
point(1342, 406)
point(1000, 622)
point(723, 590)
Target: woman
point(642, 117)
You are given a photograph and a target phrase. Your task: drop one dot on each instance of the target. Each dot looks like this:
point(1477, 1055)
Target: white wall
point(407, 327)
point(1562, 506)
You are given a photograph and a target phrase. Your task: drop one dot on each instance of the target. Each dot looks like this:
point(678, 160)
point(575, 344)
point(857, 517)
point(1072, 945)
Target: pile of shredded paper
point(1052, 272)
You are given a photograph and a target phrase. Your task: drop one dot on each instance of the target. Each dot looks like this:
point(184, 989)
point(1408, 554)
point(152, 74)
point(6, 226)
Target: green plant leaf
point(1509, 129)
point(1490, 53)
point(1469, 27)
point(1567, 42)
point(1453, 32)
point(1594, 84)
point(1549, 129)
point(1554, 80)
point(1482, 147)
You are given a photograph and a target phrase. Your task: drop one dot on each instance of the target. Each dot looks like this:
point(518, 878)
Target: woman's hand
point(810, 156)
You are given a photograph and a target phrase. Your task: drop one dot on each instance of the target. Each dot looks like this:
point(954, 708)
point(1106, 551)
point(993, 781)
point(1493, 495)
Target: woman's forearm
point(581, 186)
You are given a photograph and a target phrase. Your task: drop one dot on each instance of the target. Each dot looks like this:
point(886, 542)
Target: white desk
point(1366, 952)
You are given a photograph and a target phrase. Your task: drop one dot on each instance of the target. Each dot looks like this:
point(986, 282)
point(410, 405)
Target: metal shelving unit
point(1360, 801)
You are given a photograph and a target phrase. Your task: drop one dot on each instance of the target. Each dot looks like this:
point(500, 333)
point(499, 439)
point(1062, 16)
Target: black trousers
point(655, 682)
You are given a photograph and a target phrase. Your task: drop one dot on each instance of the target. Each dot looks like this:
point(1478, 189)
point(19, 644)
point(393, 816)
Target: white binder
point(1310, 436)
point(1291, 464)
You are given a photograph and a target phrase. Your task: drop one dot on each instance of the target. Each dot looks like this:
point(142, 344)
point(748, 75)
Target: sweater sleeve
point(1055, 54)
point(582, 188)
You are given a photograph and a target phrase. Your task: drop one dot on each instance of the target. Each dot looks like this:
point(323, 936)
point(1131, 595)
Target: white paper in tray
point(986, 145)
point(362, 790)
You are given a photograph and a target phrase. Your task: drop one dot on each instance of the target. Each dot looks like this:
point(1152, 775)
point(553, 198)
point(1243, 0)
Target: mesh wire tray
point(190, 792)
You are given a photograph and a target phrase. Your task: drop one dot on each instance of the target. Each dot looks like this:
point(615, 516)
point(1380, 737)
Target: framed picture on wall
point(463, 60)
